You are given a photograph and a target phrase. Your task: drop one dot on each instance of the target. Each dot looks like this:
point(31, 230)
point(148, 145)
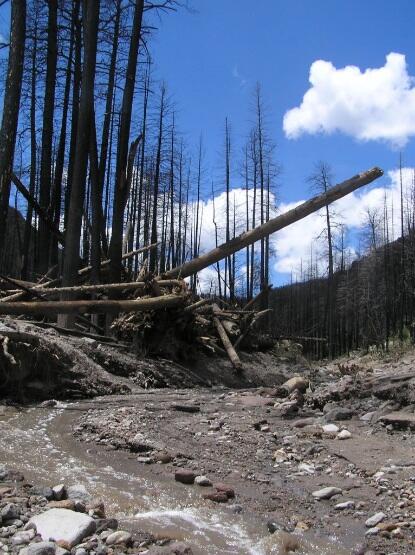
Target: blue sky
point(199, 53)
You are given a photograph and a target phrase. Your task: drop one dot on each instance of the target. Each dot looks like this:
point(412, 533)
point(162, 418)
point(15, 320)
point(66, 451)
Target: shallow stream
point(38, 442)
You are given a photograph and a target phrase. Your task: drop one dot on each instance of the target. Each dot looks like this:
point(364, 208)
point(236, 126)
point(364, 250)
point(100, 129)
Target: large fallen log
point(91, 307)
point(81, 272)
point(249, 237)
point(102, 287)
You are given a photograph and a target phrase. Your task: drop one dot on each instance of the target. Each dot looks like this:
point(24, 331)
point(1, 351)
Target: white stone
point(118, 537)
point(344, 434)
point(375, 520)
point(344, 505)
point(330, 428)
point(63, 524)
point(308, 468)
point(327, 493)
point(372, 531)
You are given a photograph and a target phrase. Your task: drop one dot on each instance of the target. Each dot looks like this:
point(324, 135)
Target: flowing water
point(38, 442)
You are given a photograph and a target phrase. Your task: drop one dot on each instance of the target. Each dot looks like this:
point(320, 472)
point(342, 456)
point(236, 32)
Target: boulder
point(63, 524)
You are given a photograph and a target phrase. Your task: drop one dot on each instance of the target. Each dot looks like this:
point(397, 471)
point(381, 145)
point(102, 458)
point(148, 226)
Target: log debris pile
point(158, 314)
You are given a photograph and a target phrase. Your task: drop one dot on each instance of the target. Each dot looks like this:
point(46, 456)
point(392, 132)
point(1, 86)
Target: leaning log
point(249, 237)
point(232, 354)
point(91, 307)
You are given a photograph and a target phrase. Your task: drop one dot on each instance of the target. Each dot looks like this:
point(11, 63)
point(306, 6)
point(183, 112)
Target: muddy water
point(38, 442)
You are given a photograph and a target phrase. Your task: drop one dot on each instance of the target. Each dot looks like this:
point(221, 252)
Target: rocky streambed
point(323, 464)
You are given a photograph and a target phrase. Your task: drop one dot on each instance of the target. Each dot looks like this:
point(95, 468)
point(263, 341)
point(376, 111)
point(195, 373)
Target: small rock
point(59, 492)
point(326, 493)
point(344, 434)
point(96, 508)
point(10, 512)
point(23, 537)
point(203, 481)
point(338, 413)
point(43, 492)
point(224, 488)
point(78, 491)
point(163, 458)
point(105, 524)
point(185, 476)
point(41, 548)
point(375, 519)
point(274, 526)
point(145, 460)
point(116, 538)
point(372, 531)
point(345, 505)
point(330, 428)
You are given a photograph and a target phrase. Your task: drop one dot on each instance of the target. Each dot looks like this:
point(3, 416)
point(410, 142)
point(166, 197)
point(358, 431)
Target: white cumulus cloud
point(295, 244)
point(374, 104)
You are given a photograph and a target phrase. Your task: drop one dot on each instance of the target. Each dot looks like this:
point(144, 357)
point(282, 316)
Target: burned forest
point(207, 310)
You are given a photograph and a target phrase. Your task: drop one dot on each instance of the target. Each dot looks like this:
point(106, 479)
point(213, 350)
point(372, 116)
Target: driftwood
point(90, 307)
point(249, 237)
point(232, 354)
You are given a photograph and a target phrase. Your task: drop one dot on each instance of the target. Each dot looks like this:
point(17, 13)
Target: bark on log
point(232, 354)
point(90, 307)
point(126, 286)
point(249, 237)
